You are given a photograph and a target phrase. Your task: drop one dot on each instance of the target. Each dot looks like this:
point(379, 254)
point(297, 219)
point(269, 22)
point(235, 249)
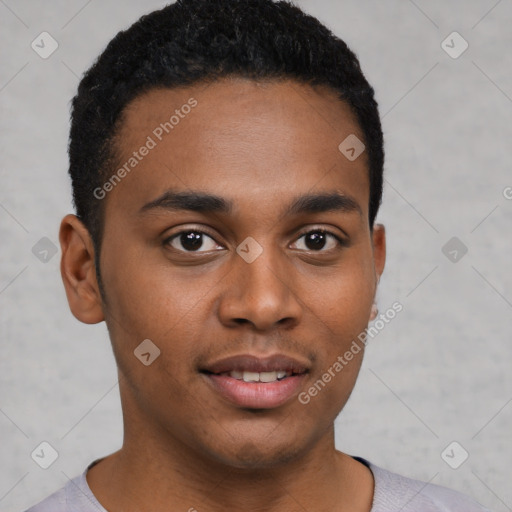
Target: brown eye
point(192, 241)
point(320, 240)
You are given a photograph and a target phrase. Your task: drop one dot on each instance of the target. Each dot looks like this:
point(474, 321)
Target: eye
point(192, 240)
point(319, 239)
point(198, 241)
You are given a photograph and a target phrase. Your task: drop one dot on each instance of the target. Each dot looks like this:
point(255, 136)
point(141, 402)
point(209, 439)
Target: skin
point(259, 145)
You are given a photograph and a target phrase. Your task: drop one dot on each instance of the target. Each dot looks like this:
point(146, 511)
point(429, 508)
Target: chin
point(252, 455)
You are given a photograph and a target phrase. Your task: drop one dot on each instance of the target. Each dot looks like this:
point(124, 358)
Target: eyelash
point(340, 241)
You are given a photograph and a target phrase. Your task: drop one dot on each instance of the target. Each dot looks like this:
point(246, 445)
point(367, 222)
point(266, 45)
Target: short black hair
point(194, 41)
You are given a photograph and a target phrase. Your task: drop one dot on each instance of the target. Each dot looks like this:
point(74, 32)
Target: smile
point(253, 382)
point(248, 376)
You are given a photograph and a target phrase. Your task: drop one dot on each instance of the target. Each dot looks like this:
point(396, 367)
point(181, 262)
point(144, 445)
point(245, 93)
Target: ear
point(379, 260)
point(78, 271)
point(379, 250)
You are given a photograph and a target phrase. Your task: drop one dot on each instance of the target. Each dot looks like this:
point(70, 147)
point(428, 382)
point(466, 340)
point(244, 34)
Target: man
point(226, 160)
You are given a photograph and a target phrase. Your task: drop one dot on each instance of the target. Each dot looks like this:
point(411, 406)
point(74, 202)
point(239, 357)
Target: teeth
point(268, 376)
point(251, 376)
point(259, 376)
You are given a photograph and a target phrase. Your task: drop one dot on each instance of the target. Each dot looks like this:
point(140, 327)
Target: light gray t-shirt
point(392, 493)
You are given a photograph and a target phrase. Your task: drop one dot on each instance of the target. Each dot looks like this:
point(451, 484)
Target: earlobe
point(78, 271)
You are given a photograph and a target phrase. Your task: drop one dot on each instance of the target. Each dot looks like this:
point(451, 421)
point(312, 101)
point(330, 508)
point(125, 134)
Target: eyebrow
point(202, 202)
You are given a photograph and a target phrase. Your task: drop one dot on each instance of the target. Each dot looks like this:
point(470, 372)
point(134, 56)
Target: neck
point(322, 480)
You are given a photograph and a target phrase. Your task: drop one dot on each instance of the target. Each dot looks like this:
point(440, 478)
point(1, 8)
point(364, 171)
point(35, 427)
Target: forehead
point(240, 136)
point(230, 104)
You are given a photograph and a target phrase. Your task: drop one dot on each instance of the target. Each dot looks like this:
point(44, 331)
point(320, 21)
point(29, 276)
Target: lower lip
point(256, 395)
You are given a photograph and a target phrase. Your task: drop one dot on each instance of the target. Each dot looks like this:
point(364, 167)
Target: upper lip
point(253, 363)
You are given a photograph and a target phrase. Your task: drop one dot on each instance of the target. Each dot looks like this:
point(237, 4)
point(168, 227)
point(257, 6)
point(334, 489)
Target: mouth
point(248, 376)
point(253, 382)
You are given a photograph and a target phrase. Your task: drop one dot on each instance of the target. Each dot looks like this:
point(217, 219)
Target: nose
point(261, 293)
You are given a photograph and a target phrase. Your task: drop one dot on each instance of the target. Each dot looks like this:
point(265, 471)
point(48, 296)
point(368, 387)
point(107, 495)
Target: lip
point(256, 395)
point(253, 363)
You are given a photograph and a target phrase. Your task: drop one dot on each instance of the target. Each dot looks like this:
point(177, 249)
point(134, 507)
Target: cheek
point(152, 300)
point(340, 299)
point(339, 304)
point(149, 293)
point(329, 390)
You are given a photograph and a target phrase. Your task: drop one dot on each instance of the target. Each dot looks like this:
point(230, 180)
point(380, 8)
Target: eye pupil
point(191, 240)
point(315, 240)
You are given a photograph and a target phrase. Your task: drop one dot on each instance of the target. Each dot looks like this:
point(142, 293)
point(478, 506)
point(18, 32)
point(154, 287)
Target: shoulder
point(75, 496)
point(395, 492)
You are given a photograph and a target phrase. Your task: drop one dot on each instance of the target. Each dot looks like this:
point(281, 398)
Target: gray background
point(439, 372)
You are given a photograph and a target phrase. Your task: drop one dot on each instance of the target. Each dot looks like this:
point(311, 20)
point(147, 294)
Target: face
point(238, 243)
